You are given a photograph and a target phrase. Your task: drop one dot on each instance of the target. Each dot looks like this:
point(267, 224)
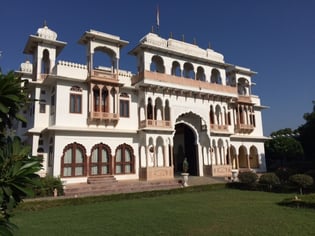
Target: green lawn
point(214, 212)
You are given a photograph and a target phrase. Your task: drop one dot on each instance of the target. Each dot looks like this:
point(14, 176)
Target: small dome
point(46, 33)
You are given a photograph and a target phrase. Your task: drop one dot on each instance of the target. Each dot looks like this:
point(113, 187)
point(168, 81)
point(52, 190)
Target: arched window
point(149, 109)
point(189, 71)
point(158, 109)
point(200, 74)
point(242, 157)
point(104, 100)
point(96, 98)
point(215, 77)
point(104, 59)
point(176, 69)
point(253, 157)
point(243, 86)
point(157, 64)
point(211, 115)
point(167, 111)
point(124, 160)
point(218, 114)
point(45, 62)
point(100, 160)
point(73, 161)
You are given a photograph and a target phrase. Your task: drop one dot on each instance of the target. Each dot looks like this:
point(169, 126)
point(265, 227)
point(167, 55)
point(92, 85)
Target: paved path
point(197, 180)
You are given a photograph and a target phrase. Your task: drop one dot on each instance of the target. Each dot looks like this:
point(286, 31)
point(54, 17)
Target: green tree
point(269, 179)
point(307, 134)
point(301, 181)
point(13, 98)
point(17, 168)
point(283, 147)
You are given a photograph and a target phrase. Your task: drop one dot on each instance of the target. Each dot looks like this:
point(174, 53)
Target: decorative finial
point(209, 45)
point(195, 41)
point(45, 23)
point(171, 35)
point(152, 29)
point(183, 38)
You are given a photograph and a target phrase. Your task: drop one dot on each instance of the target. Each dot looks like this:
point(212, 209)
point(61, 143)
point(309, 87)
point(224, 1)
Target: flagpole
point(158, 19)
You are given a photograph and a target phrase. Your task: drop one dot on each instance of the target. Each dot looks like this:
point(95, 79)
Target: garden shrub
point(248, 178)
point(311, 173)
point(301, 181)
point(47, 186)
point(269, 179)
point(284, 174)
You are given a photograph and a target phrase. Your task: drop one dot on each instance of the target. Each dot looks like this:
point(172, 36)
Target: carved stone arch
point(233, 155)
point(157, 64)
point(124, 159)
point(243, 86)
point(150, 109)
point(100, 160)
point(253, 157)
point(104, 58)
point(167, 110)
point(200, 74)
point(45, 62)
point(158, 109)
point(215, 76)
point(176, 70)
point(74, 160)
point(160, 151)
point(242, 157)
point(188, 71)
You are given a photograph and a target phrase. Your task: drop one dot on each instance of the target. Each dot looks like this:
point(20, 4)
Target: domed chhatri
point(46, 33)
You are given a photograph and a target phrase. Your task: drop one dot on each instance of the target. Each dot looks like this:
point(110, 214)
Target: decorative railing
point(104, 115)
point(72, 64)
point(161, 77)
point(244, 128)
point(218, 128)
point(244, 99)
point(155, 123)
point(102, 75)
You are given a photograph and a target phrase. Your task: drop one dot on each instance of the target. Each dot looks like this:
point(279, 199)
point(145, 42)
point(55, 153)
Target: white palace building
point(91, 120)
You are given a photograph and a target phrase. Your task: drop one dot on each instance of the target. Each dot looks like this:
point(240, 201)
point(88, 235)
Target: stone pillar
point(248, 162)
point(172, 155)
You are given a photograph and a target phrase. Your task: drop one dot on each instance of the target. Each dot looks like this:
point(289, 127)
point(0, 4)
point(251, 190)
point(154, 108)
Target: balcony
point(244, 99)
point(96, 115)
point(175, 80)
point(244, 128)
point(103, 76)
point(214, 128)
point(164, 124)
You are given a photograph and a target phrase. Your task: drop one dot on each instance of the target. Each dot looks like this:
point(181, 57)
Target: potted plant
point(185, 173)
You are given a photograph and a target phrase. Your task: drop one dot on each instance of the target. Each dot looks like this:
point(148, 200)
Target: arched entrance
point(185, 146)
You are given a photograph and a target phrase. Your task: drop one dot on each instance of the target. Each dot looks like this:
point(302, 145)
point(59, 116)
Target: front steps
point(109, 186)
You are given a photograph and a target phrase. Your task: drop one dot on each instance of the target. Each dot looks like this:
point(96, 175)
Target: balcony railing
point(218, 128)
point(104, 116)
point(244, 99)
point(102, 75)
point(172, 79)
point(155, 123)
point(244, 128)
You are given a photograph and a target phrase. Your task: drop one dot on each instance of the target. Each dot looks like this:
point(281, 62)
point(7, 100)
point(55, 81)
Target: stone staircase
point(109, 185)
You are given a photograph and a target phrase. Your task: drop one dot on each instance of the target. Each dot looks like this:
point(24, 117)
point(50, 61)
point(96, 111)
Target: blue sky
point(274, 38)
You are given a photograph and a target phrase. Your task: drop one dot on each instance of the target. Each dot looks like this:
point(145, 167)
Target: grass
point(217, 212)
